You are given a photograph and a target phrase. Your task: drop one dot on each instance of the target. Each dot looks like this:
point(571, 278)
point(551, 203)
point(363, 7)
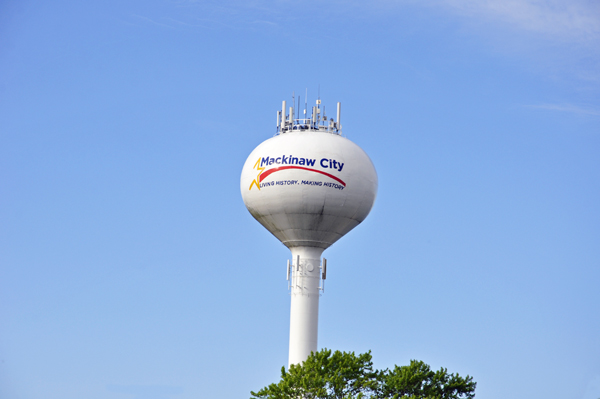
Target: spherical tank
point(309, 188)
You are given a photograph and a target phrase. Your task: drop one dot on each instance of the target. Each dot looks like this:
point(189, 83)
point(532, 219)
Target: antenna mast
point(305, 102)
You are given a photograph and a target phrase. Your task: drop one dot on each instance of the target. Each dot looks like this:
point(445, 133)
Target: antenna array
point(288, 121)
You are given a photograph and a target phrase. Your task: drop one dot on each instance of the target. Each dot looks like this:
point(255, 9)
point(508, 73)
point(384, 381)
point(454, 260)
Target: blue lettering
point(291, 160)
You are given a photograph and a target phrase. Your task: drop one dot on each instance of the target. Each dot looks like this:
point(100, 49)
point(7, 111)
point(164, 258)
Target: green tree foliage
point(325, 375)
point(343, 375)
point(417, 380)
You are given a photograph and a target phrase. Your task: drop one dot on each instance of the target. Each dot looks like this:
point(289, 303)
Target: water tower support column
point(304, 313)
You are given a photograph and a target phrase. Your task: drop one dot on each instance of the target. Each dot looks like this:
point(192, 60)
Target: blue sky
point(130, 268)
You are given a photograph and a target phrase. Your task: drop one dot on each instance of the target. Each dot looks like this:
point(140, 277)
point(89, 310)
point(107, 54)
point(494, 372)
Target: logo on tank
point(266, 166)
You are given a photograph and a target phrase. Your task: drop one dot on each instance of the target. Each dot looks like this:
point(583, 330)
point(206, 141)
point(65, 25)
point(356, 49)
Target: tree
point(324, 375)
point(417, 380)
point(344, 375)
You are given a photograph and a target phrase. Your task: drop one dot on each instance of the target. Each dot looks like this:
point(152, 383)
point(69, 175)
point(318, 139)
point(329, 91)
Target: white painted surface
point(304, 311)
point(308, 215)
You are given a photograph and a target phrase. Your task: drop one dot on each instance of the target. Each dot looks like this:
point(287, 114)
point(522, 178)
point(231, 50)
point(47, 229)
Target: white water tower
point(308, 185)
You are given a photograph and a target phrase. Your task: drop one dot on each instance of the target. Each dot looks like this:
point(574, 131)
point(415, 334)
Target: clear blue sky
point(130, 268)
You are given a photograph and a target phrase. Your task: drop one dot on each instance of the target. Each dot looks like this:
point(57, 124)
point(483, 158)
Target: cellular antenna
point(283, 118)
point(305, 102)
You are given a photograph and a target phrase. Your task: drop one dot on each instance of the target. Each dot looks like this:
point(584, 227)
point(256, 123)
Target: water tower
point(308, 185)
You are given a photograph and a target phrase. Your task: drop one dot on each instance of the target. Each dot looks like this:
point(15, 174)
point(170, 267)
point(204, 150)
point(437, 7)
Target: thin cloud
point(566, 108)
point(153, 21)
point(186, 24)
point(265, 23)
point(565, 20)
